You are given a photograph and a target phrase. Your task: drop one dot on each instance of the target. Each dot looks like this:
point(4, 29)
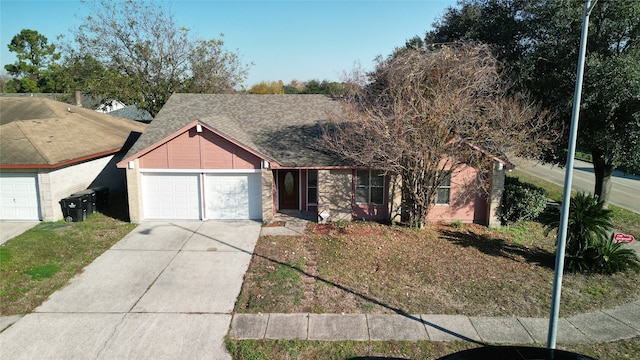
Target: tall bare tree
point(151, 56)
point(427, 112)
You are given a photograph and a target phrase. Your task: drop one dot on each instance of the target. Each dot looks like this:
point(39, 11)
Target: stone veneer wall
point(267, 194)
point(134, 193)
point(395, 198)
point(497, 187)
point(334, 194)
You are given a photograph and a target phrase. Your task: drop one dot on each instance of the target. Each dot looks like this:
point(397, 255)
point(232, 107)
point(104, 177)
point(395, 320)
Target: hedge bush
point(521, 201)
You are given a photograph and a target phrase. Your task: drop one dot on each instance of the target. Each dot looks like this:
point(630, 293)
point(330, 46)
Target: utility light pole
point(566, 198)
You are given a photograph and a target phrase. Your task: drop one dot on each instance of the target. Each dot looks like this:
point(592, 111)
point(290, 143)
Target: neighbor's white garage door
point(233, 196)
point(171, 196)
point(19, 196)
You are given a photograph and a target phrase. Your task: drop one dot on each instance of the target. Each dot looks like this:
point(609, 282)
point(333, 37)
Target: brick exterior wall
point(60, 183)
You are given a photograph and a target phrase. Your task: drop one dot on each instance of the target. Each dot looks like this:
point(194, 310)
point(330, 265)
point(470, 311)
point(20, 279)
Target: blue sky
point(285, 40)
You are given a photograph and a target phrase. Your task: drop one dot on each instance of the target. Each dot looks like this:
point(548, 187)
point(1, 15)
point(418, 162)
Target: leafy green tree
point(325, 87)
point(78, 72)
point(500, 23)
point(214, 69)
point(290, 89)
point(538, 43)
point(34, 56)
point(4, 79)
point(293, 87)
point(148, 57)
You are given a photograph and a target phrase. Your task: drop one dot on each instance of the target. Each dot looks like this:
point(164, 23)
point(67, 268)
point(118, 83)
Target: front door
point(288, 189)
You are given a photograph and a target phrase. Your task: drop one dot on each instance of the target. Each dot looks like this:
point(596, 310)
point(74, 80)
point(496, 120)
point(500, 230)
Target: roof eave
point(62, 163)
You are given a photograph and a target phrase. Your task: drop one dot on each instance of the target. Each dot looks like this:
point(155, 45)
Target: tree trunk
point(602, 170)
point(414, 208)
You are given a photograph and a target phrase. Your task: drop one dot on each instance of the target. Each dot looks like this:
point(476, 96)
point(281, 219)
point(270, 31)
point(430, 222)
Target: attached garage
point(19, 196)
point(193, 173)
point(183, 196)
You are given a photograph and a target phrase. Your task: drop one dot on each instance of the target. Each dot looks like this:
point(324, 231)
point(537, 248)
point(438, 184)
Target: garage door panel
point(233, 196)
point(171, 196)
point(19, 196)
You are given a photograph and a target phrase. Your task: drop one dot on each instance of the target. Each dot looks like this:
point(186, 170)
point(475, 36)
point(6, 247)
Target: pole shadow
point(396, 310)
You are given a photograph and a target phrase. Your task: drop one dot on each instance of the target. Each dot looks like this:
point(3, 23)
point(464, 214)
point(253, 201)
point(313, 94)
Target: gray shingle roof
point(132, 112)
point(284, 128)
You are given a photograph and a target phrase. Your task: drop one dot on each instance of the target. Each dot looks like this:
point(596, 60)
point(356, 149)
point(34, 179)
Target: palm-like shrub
point(610, 257)
point(589, 246)
point(589, 223)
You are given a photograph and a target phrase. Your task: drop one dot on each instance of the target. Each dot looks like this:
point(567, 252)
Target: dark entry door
point(288, 189)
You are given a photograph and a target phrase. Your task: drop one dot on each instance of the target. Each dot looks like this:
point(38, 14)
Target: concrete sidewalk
point(619, 323)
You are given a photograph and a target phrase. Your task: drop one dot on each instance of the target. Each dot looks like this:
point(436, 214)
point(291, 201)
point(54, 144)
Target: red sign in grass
point(623, 238)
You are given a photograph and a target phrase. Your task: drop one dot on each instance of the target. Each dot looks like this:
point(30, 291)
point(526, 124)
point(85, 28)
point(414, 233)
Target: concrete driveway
point(165, 291)
point(11, 229)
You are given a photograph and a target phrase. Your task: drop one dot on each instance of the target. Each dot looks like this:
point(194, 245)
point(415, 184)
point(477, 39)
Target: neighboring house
point(115, 108)
point(109, 106)
point(230, 156)
point(50, 149)
point(132, 112)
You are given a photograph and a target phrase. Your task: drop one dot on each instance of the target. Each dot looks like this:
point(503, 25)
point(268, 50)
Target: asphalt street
point(625, 188)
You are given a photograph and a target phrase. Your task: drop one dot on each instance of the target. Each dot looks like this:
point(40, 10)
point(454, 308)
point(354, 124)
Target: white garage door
point(19, 197)
point(233, 196)
point(171, 196)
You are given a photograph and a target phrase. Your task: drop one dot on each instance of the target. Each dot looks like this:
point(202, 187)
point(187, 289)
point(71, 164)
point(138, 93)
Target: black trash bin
point(74, 208)
point(89, 197)
point(102, 197)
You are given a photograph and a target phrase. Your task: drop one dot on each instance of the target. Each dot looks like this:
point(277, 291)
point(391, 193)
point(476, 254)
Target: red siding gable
point(199, 150)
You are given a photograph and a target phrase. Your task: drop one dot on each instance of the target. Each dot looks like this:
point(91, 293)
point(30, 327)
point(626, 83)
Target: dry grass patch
point(444, 269)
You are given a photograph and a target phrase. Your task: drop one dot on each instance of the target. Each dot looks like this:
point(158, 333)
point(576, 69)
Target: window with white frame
point(370, 187)
point(312, 187)
point(443, 192)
